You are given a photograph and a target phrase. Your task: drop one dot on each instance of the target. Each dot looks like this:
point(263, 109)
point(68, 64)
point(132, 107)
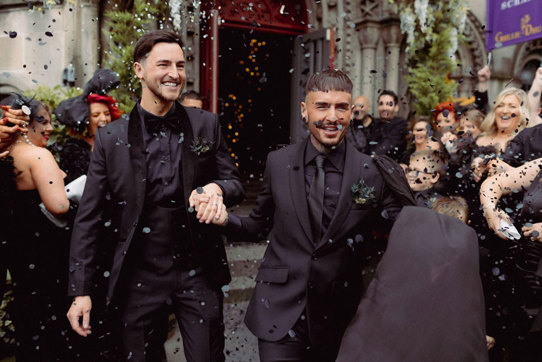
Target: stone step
point(244, 260)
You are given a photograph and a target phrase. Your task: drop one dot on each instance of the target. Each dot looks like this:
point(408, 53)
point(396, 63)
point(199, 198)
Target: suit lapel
point(188, 161)
point(297, 187)
point(351, 175)
point(137, 157)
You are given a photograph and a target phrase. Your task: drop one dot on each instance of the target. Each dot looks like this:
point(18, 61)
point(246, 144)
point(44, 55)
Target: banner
point(512, 21)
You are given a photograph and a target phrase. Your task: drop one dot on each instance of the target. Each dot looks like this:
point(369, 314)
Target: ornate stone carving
point(265, 14)
point(370, 9)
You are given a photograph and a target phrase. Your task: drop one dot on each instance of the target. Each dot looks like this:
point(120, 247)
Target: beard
point(165, 97)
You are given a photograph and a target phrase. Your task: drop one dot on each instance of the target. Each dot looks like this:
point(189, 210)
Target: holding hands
point(208, 202)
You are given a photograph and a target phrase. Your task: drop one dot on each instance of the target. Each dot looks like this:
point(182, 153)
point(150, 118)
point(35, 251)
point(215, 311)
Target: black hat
point(74, 112)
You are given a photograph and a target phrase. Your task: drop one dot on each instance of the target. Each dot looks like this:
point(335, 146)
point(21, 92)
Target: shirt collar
point(335, 157)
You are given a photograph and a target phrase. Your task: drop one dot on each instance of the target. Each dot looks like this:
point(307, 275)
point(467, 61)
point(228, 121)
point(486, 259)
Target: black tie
point(316, 198)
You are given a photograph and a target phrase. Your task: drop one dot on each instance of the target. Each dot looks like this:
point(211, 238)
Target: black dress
point(73, 157)
point(528, 280)
point(8, 191)
point(39, 267)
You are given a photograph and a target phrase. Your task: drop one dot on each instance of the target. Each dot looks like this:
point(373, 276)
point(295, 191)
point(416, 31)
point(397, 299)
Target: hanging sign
point(512, 21)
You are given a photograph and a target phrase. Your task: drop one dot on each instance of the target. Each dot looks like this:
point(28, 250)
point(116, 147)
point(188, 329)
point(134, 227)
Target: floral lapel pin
point(201, 145)
point(363, 194)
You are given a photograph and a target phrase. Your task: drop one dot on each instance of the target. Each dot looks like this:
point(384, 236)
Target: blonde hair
point(454, 206)
point(489, 126)
point(475, 116)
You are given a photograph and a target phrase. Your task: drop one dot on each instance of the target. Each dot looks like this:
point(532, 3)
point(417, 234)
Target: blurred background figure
point(192, 99)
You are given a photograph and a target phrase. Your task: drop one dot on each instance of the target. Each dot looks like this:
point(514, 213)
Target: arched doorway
point(255, 47)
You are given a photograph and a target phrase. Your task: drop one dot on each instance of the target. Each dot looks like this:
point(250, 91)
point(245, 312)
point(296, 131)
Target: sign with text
point(512, 21)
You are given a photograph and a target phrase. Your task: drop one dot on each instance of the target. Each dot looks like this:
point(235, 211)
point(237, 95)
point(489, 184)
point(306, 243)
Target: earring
point(304, 120)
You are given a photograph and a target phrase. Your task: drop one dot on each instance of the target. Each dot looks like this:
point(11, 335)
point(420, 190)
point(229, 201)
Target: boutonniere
point(363, 194)
point(201, 145)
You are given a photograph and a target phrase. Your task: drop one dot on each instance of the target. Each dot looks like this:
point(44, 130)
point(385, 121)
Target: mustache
point(320, 124)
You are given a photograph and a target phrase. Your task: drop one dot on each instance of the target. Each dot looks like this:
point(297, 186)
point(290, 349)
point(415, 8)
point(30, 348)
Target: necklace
point(26, 140)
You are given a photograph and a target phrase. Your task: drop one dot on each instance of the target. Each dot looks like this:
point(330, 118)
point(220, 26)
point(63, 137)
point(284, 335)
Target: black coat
point(118, 168)
point(426, 302)
point(298, 273)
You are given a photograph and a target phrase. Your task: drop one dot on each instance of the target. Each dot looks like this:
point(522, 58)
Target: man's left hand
point(207, 201)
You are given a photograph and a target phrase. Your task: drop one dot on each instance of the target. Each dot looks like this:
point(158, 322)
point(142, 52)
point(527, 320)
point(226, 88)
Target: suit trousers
point(197, 305)
point(296, 346)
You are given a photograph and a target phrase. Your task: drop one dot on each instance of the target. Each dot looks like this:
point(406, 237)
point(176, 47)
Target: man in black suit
point(321, 198)
point(156, 167)
point(389, 137)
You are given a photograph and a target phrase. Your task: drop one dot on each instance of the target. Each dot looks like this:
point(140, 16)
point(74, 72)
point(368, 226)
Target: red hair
point(110, 102)
point(441, 107)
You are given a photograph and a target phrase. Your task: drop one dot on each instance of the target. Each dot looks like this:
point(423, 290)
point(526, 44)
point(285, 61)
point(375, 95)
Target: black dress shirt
point(334, 168)
point(357, 135)
point(163, 157)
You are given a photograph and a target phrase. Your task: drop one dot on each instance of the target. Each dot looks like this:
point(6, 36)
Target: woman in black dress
point(525, 247)
point(38, 250)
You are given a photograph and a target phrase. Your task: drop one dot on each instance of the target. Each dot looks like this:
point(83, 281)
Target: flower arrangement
point(363, 194)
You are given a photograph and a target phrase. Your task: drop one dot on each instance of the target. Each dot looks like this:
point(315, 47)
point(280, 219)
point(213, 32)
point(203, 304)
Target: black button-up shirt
point(163, 158)
point(334, 168)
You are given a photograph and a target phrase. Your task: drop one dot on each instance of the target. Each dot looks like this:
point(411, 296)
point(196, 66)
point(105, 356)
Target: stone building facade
point(64, 44)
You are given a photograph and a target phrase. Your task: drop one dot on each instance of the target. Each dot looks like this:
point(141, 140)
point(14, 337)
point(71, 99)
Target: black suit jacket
point(297, 272)
point(118, 168)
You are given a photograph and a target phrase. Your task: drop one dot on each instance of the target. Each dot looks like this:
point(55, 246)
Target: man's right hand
point(80, 308)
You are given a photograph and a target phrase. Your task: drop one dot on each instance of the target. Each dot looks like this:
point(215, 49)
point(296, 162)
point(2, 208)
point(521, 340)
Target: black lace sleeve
point(74, 158)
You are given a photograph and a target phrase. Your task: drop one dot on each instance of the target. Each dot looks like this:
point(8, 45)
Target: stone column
point(368, 38)
point(392, 38)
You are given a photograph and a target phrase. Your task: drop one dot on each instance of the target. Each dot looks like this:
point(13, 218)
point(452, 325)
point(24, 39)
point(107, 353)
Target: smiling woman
point(38, 250)
point(507, 117)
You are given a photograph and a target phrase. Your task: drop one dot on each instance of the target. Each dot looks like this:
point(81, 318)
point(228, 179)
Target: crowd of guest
point(487, 153)
point(479, 162)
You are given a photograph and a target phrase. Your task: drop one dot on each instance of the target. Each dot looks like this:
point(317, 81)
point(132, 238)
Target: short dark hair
point(387, 92)
point(191, 94)
point(435, 158)
point(329, 80)
point(145, 44)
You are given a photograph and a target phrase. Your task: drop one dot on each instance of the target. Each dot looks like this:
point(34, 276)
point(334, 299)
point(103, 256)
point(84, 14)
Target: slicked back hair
point(387, 92)
point(145, 44)
point(329, 80)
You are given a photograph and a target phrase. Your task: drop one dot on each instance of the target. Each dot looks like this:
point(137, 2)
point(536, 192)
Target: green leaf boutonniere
point(363, 194)
point(201, 145)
